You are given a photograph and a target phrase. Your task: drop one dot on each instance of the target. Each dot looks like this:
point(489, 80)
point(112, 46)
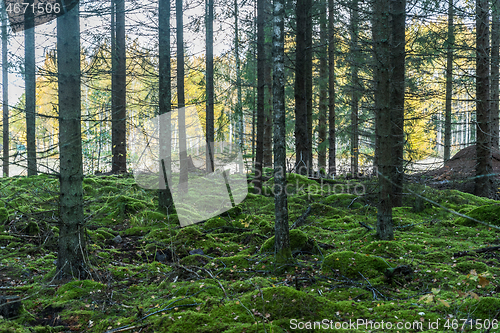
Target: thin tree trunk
point(449, 82)
point(495, 45)
point(268, 83)
point(323, 89)
point(261, 68)
point(71, 253)
point(381, 37)
point(398, 97)
point(183, 177)
point(332, 169)
point(281, 228)
point(165, 200)
point(210, 86)
point(484, 181)
point(354, 86)
point(119, 97)
point(301, 116)
point(309, 85)
point(5, 93)
point(239, 109)
point(30, 89)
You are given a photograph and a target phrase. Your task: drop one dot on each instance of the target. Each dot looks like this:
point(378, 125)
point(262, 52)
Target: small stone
point(118, 239)
point(196, 251)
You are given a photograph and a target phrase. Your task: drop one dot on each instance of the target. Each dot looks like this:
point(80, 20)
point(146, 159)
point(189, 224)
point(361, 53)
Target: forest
point(250, 166)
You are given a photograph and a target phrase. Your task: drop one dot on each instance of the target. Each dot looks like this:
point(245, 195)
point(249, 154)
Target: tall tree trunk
point(71, 253)
point(165, 200)
point(239, 109)
point(484, 181)
point(332, 169)
point(495, 45)
point(119, 97)
point(398, 97)
point(382, 52)
point(210, 85)
point(261, 68)
point(281, 228)
point(5, 94)
point(301, 116)
point(268, 83)
point(323, 88)
point(309, 85)
point(183, 177)
point(449, 82)
point(30, 89)
point(354, 86)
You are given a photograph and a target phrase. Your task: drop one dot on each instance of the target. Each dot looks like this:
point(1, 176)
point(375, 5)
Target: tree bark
point(119, 97)
point(449, 82)
point(397, 96)
point(332, 170)
point(382, 53)
point(484, 180)
point(323, 88)
point(301, 78)
point(183, 177)
point(71, 253)
point(165, 200)
point(239, 108)
point(495, 59)
point(261, 68)
point(5, 94)
point(353, 52)
point(30, 89)
point(268, 83)
point(210, 86)
point(281, 228)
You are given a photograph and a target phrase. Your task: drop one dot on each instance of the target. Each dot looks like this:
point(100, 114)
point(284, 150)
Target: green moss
point(350, 264)
point(466, 266)
point(298, 240)
point(194, 260)
point(489, 214)
point(77, 289)
point(384, 248)
point(343, 200)
point(214, 222)
point(484, 308)
point(190, 321)
point(106, 233)
point(4, 215)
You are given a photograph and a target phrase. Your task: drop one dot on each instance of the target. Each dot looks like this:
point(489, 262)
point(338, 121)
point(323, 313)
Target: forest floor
point(440, 274)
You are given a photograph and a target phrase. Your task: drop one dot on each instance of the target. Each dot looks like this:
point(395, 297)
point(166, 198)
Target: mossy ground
point(220, 276)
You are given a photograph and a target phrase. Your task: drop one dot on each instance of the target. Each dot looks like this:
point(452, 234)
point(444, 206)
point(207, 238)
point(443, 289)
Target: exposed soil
point(459, 172)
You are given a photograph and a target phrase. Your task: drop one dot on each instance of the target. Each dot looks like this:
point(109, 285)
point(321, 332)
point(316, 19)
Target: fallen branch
point(472, 252)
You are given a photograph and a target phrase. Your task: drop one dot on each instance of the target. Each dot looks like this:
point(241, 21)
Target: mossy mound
point(298, 241)
point(384, 248)
point(350, 264)
point(484, 308)
point(489, 214)
point(77, 289)
point(214, 222)
point(343, 200)
point(467, 266)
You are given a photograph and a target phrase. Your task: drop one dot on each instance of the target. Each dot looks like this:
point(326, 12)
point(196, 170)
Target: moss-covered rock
point(350, 264)
point(298, 240)
point(343, 200)
point(489, 214)
point(214, 222)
